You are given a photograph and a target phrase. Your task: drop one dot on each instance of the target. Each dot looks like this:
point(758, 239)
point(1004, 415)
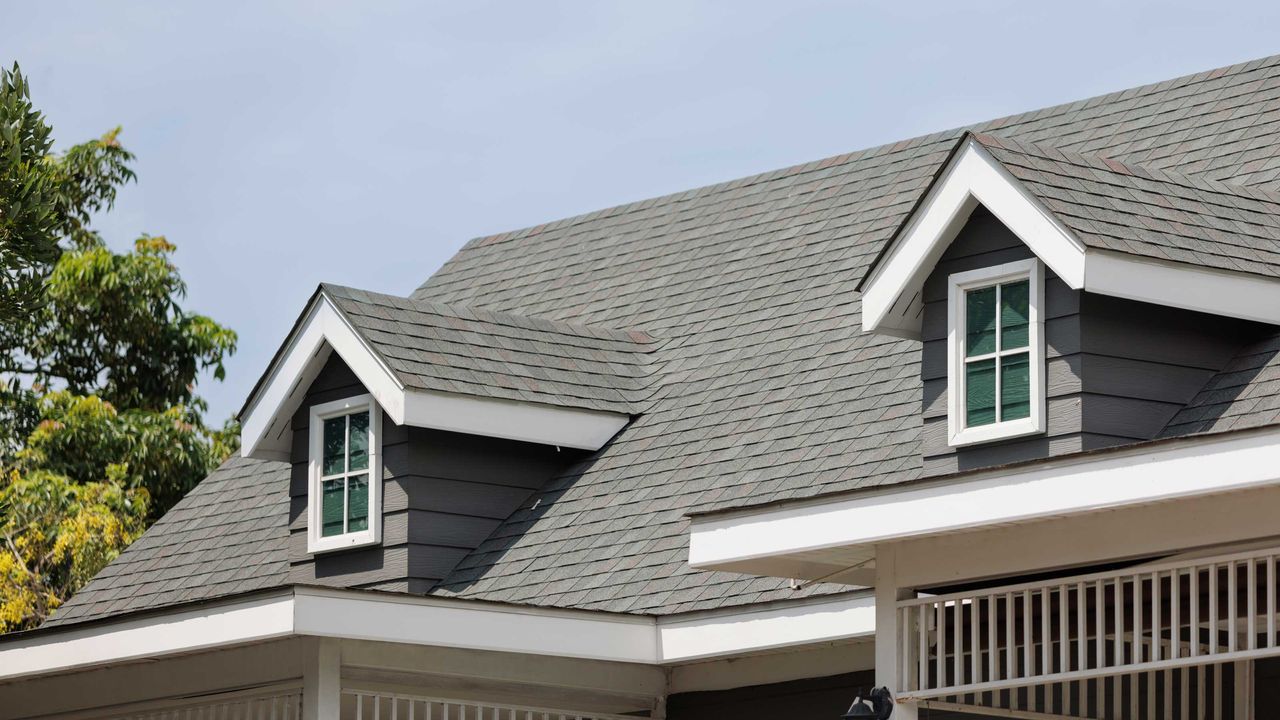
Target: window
point(343, 503)
point(995, 378)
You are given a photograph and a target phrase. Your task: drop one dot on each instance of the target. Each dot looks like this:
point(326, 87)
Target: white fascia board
point(1137, 476)
point(751, 630)
point(890, 301)
point(185, 631)
point(265, 426)
point(442, 622)
point(1218, 292)
point(476, 625)
point(528, 422)
point(265, 431)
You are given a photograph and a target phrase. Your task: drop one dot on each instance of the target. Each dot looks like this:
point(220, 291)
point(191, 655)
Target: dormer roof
point(454, 368)
point(1102, 225)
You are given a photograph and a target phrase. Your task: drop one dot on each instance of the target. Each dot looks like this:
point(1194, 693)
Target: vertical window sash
point(998, 354)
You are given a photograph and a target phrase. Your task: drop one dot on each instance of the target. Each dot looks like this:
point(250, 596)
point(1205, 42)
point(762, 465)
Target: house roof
point(1152, 213)
point(764, 386)
point(473, 351)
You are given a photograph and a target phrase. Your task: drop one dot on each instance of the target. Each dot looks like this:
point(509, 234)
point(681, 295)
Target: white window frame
point(959, 283)
point(316, 543)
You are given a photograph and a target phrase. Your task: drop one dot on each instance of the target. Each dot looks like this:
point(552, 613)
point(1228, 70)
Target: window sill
point(318, 546)
point(998, 431)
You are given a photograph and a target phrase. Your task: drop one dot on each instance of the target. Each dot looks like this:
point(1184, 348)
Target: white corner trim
point(1137, 476)
point(958, 433)
point(265, 431)
point(443, 622)
point(184, 631)
point(890, 301)
point(1217, 292)
point(750, 630)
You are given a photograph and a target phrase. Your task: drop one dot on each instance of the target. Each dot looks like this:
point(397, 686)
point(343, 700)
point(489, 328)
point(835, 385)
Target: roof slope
point(766, 388)
point(770, 391)
point(228, 536)
point(455, 349)
point(1151, 213)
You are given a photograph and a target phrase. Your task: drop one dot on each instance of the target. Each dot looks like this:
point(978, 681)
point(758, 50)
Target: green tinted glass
point(359, 443)
point(980, 392)
point(980, 321)
point(335, 445)
point(1015, 314)
point(331, 508)
point(1015, 386)
point(358, 503)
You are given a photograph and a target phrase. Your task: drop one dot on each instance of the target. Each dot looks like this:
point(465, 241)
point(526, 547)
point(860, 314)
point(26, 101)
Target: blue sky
point(281, 144)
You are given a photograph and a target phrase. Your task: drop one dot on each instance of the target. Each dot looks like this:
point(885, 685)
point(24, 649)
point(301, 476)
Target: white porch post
point(888, 646)
point(321, 679)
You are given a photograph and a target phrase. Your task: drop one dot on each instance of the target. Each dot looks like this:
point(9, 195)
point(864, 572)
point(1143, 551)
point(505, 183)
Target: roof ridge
point(940, 135)
point(633, 335)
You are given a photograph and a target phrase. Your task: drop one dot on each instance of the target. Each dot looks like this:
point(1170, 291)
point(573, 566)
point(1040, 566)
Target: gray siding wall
point(443, 494)
point(1116, 370)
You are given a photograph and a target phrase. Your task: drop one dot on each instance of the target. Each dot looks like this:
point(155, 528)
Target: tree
point(101, 429)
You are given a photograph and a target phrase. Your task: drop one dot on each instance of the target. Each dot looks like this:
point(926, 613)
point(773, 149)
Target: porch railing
point(368, 705)
point(1152, 641)
point(285, 704)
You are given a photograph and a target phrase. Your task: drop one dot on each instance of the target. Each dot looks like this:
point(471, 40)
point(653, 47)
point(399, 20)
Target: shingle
point(760, 384)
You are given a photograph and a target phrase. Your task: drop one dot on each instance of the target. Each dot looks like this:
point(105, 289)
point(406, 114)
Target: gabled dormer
point(1067, 303)
point(414, 429)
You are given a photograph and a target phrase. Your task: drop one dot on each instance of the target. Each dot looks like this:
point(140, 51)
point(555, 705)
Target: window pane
point(359, 441)
point(331, 508)
point(358, 503)
point(1015, 386)
point(980, 321)
point(980, 392)
point(335, 431)
point(1014, 314)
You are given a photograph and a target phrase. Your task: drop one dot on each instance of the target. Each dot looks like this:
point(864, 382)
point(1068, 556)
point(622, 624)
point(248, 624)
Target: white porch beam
point(851, 526)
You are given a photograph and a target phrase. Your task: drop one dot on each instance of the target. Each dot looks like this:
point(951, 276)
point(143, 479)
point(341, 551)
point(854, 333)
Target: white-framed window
point(344, 503)
point(995, 344)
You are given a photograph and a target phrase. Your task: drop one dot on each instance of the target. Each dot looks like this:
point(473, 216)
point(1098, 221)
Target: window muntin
point(343, 498)
point(996, 377)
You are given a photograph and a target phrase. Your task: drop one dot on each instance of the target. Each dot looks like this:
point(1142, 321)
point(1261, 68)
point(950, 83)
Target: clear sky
point(281, 144)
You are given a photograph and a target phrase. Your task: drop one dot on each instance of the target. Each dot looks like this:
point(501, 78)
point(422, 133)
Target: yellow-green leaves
point(55, 534)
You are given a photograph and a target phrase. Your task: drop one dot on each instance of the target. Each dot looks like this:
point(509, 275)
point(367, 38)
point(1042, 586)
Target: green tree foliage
point(101, 431)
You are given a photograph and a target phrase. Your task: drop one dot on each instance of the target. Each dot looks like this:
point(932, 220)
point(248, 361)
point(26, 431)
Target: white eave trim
point(891, 301)
point(265, 426)
point(387, 617)
point(1142, 475)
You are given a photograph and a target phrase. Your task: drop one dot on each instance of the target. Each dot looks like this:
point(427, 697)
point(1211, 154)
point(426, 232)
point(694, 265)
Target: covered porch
point(1137, 583)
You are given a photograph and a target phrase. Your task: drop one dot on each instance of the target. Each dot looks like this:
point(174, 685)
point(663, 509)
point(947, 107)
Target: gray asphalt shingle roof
point(764, 386)
point(1152, 213)
point(227, 536)
point(471, 351)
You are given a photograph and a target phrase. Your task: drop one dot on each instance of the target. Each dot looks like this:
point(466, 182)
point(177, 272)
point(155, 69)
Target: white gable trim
point(891, 301)
point(265, 425)
point(766, 540)
point(444, 622)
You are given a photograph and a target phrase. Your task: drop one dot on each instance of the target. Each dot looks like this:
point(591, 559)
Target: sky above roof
point(282, 144)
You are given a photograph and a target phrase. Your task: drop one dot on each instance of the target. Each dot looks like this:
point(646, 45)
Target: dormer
point(1067, 303)
point(415, 428)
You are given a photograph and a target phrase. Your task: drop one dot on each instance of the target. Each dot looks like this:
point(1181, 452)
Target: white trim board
point(265, 431)
point(441, 622)
point(891, 298)
point(775, 539)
